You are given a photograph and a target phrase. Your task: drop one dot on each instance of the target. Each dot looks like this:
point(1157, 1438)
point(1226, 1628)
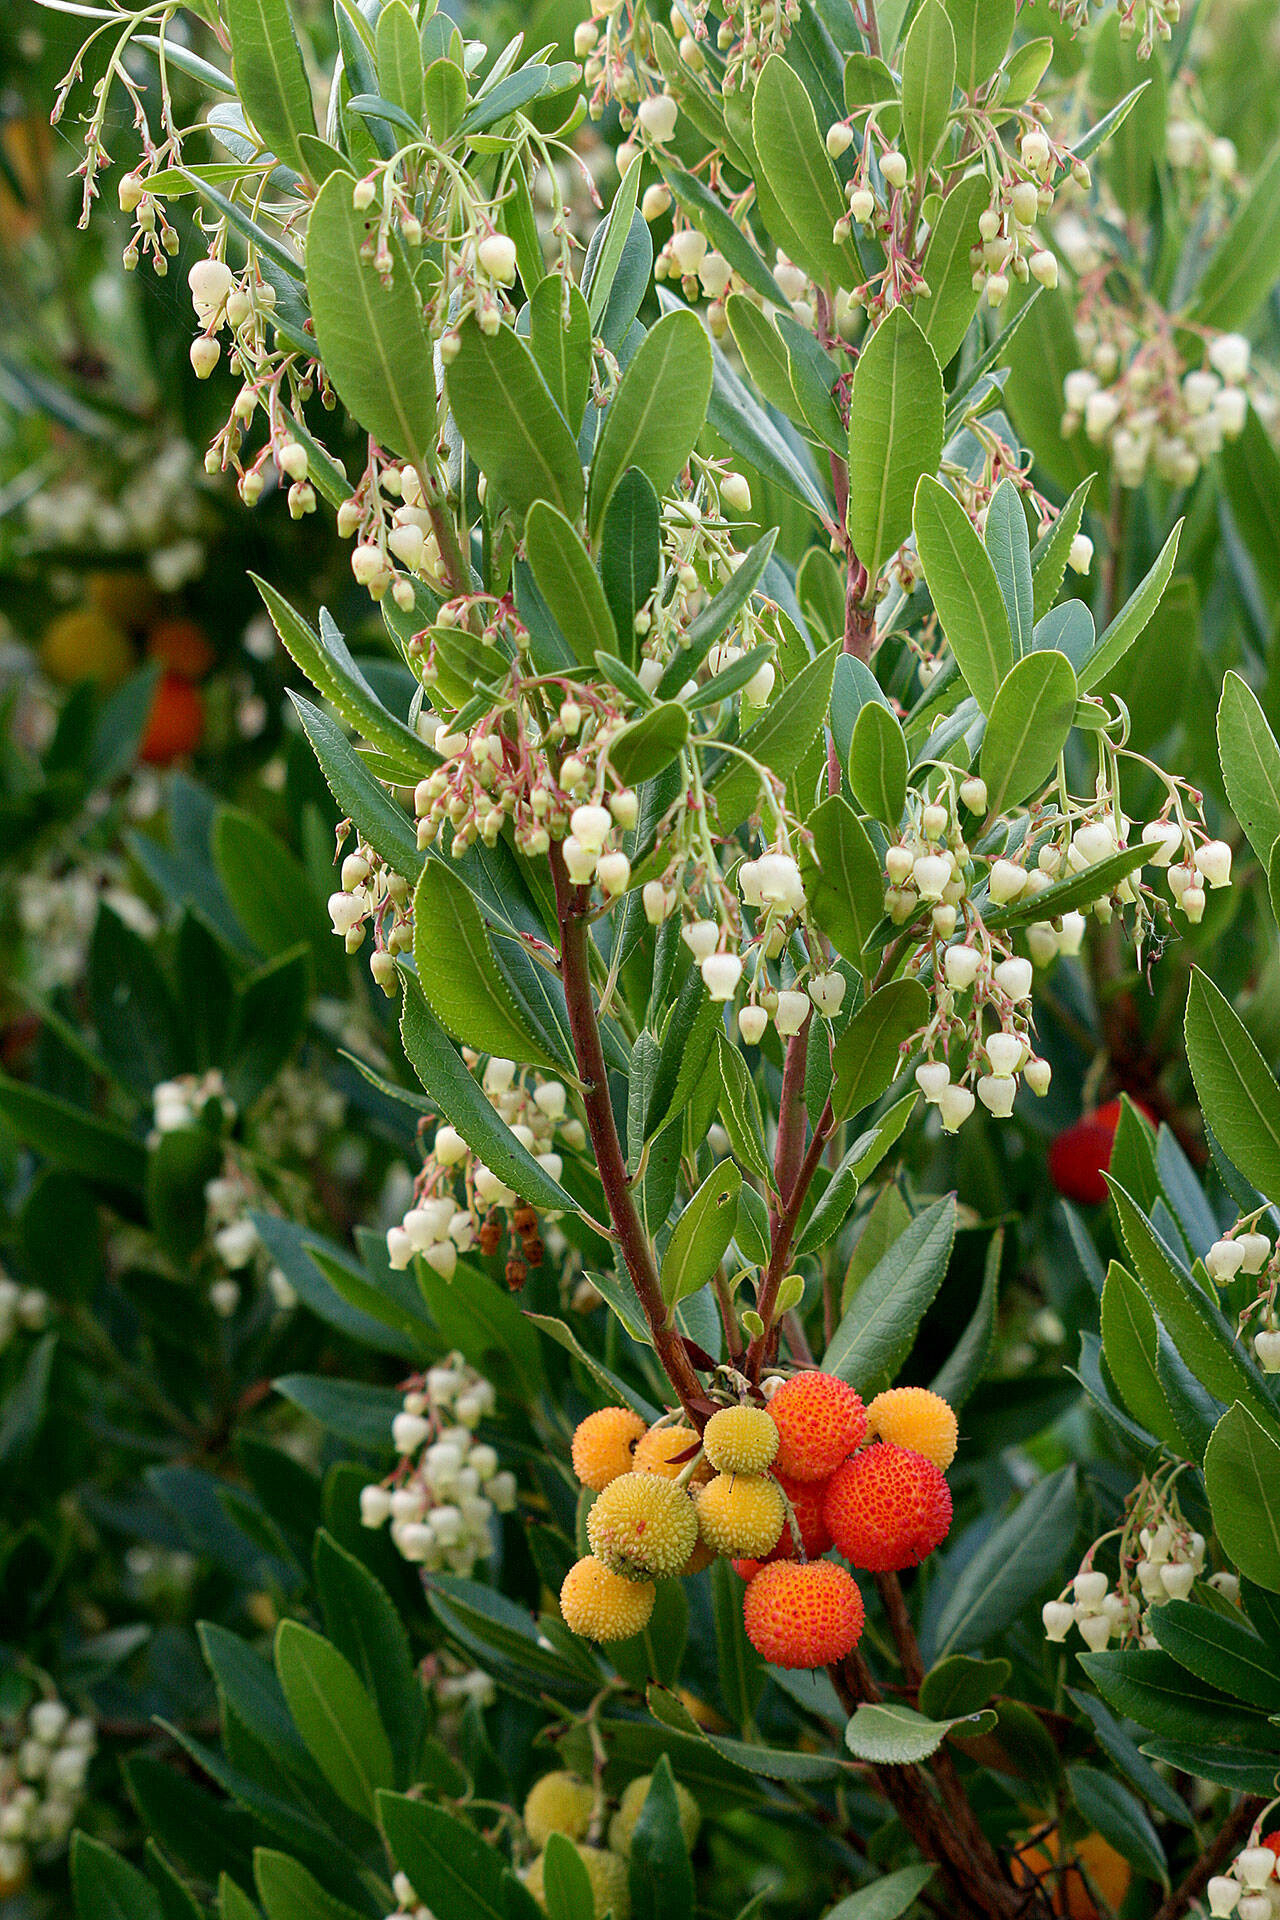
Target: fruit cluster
point(562, 1803)
point(772, 1488)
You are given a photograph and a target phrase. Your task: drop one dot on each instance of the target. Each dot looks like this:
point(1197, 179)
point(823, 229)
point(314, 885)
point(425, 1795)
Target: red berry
point(1272, 1840)
point(820, 1420)
point(803, 1616)
point(174, 724)
point(887, 1508)
point(1080, 1156)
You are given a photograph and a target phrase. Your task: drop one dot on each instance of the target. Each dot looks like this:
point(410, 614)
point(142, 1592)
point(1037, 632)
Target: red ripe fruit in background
point(175, 722)
point(1080, 1156)
point(887, 1508)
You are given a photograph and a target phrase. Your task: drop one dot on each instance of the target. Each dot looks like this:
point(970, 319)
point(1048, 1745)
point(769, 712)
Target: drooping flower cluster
point(772, 1488)
point(460, 1203)
point(1250, 1888)
point(44, 1757)
point(1246, 1251)
point(441, 1497)
point(1161, 1556)
point(151, 501)
point(1139, 399)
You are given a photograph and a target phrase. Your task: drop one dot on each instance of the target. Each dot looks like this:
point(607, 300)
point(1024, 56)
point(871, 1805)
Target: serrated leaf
point(270, 78)
point(1013, 1566)
point(334, 1715)
point(701, 1234)
point(657, 412)
point(795, 163)
point(568, 582)
point(896, 410)
point(1238, 1095)
point(1250, 762)
point(1242, 1476)
point(878, 763)
point(459, 975)
point(948, 271)
point(843, 879)
point(867, 1057)
point(1027, 729)
point(875, 1335)
point(928, 78)
point(1115, 640)
point(965, 590)
point(1049, 557)
point(509, 422)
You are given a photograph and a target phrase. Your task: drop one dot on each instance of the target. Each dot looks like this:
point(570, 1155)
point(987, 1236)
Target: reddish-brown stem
point(728, 1318)
point(793, 1183)
point(572, 911)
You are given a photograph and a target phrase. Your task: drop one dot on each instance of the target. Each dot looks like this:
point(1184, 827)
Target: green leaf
point(764, 355)
point(948, 271)
point(364, 1625)
point(961, 1372)
point(983, 30)
point(1246, 262)
point(450, 1868)
point(568, 582)
point(1131, 1347)
point(722, 230)
point(658, 411)
point(876, 1333)
point(1220, 1648)
point(794, 161)
point(603, 261)
point(443, 1073)
point(509, 422)
point(400, 61)
point(885, 1898)
point(70, 1138)
point(1250, 762)
point(132, 1005)
point(107, 1887)
point(1136, 146)
point(285, 1887)
point(1196, 1325)
point(566, 1886)
point(1238, 1096)
point(960, 1685)
point(371, 337)
point(630, 556)
point(1114, 642)
point(1077, 890)
point(928, 79)
point(1242, 1476)
point(560, 338)
point(868, 1057)
point(717, 616)
point(1009, 546)
point(779, 740)
point(270, 77)
point(662, 1886)
point(1013, 1566)
point(444, 98)
point(737, 416)
point(459, 975)
point(740, 1108)
point(1251, 482)
point(268, 888)
point(966, 593)
point(1111, 1810)
point(1119, 1747)
point(1030, 719)
point(361, 798)
point(1147, 1686)
point(1050, 555)
point(878, 763)
point(742, 1672)
point(645, 746)
point(843, 879)
point(890, 1734)
point(701, 1234)
point(332, 669)
point(895, 435)
point(334, 1715)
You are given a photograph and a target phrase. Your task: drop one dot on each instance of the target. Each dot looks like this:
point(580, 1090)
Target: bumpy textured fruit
point(668, 1450)
point(85, 645)
point(803, 1615)
point(808, 1500)
point(634, 1795)
point(887, 1508)
point(741, 1513)
point(915, 1418)
point(643, 1526)
point(609, 1876)
point(602, 1446)
point(740, 1440)
point(820, 1420)
point(558, 1803)
point(601, 1605)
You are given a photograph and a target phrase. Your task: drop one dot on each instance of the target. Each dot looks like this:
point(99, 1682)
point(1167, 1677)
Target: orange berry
point(600, 1605)
point(668, 1451)
point(182, 646)
point(740, 1440)
point(602, 1445)
point(915, 1418)
point(175, 722)
point(820, 1420)
point(887, 1508)
point(741, 1513)
point(803, 1616)
point(642, 1526)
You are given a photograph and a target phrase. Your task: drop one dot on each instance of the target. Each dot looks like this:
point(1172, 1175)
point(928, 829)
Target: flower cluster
point(771, 1487)
point(44, 1757)
point(1160, 1558)
point(183, 1102)
point(151, 504)
point(457, 1199)
point(441, 1497)
point(25, 1308)
point(1250, 1888)
point(1246, 1251)
point(57, 908)
point(1137, 398)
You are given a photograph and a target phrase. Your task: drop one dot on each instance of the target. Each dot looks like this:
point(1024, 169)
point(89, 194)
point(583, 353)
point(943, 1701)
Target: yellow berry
point(558, 1803)
point(600, 1605)
point(84, 644)
point(602, 1446)
point(634, 1794)
point(668, 1450)
point(914, 1418)
point(741, 1514)
point(609, 1877)
point(642, 1526)
point(740, 1440)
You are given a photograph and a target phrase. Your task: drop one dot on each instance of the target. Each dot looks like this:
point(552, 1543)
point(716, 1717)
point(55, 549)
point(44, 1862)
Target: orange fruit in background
point(175, 723)
point(123, 594)
point(83, 644)
point(1101, 1870)
point(182, 646)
